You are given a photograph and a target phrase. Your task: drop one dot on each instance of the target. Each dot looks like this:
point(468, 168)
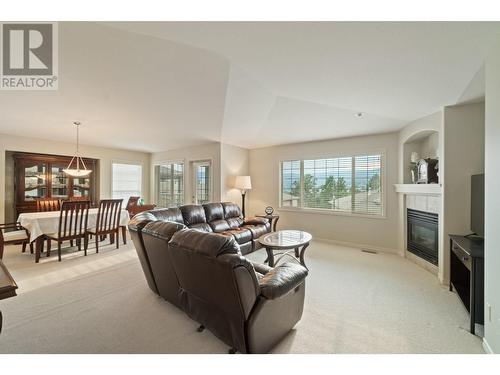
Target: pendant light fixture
point(77, 172)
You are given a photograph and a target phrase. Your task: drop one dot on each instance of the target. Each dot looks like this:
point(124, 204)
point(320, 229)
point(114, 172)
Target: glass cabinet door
point(59, 182)
point(35, 180)
point(81, 187)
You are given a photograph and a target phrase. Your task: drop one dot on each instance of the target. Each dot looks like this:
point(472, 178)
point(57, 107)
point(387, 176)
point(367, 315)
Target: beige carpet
point(355, 303)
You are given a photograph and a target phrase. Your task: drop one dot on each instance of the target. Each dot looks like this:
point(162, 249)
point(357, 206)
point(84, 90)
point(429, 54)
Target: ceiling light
point(77, 172)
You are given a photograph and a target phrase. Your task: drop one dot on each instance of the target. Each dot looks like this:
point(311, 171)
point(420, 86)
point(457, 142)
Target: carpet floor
point(356, 302)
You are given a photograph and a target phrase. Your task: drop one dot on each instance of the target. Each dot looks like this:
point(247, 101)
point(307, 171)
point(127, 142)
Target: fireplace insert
point(422, 235)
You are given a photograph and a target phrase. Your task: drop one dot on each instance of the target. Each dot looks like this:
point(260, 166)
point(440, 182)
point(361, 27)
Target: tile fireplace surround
point(425, 198)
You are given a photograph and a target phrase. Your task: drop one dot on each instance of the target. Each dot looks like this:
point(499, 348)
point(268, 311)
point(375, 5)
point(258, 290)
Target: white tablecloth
point(39, 223)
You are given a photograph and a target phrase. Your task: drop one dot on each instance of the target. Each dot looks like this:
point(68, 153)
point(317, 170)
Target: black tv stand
point(467, 275)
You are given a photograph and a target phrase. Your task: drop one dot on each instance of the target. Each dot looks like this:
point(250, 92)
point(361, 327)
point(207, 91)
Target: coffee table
point(295, 241)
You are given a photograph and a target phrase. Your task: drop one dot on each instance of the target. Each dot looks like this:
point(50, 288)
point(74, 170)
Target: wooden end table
point(273, 220)
point(292, 243)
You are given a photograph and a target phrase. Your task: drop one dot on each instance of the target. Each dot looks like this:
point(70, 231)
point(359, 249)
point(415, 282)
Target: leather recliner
point(250, 307)
point(224, 218)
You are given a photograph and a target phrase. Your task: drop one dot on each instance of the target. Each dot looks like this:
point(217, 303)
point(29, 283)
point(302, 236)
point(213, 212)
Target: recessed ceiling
point(154, 86)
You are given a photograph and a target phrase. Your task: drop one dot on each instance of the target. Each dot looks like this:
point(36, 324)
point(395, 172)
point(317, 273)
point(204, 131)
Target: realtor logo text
point(28, 56)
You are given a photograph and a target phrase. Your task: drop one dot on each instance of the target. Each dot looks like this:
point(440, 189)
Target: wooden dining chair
point(108, 222)
point(73, 222)
point(14, 234)
point(48, 204)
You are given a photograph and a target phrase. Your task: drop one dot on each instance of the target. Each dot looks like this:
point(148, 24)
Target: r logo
point(27, 49)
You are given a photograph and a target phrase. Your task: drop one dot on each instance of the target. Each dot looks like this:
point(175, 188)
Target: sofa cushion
point(202, 227)
point(240, 235)
point(193, 214)
point(169, 214)
point(219, 226)
point(235, 222)
point(213, 211)
point(210, 244)
point(257, 230)
point(231, 210)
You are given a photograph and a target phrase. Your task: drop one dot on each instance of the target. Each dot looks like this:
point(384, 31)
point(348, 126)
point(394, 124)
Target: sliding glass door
point(170, 184)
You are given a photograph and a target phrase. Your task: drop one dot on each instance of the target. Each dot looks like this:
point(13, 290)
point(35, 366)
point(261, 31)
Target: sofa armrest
point(261, 268)
point(255, 221)
point(281, 280)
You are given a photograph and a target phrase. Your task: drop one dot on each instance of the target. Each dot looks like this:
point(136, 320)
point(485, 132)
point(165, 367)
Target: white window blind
point(350, 184)
point(127, 181)
point(290, 183)
point(170, 184)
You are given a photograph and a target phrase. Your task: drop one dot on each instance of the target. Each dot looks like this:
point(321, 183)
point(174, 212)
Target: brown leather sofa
point(248, 306)
point(223, 218)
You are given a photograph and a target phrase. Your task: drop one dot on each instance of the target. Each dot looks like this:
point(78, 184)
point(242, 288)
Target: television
point(477, 204)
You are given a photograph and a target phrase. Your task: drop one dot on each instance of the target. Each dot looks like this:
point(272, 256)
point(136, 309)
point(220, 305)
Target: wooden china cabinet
point(41, 176)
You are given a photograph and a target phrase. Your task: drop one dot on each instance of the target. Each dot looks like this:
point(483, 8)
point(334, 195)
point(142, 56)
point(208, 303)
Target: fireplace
point(422, 235)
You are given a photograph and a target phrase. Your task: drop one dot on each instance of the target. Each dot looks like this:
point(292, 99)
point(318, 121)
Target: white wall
point(375, 233)
point(463, 157)
point(430, 146)
point(492, 199)
point(209, 151)
point(234, 162)
point(105, 155)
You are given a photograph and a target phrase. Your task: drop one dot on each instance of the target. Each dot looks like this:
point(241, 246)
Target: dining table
point(40, 224)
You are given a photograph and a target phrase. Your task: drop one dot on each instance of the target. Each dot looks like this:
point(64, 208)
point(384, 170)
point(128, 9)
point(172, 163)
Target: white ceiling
point(164, 85)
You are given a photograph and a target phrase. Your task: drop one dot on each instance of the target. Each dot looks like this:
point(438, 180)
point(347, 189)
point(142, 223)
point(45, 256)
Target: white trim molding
point(430, 189)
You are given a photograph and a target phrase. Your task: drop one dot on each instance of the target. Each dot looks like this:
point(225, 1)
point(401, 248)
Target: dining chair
point(73, 221)
point(48, 204)
point(14, 234)
point(108, 222)
point(131, 204)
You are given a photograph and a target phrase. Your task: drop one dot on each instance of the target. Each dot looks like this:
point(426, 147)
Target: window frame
point(192, 166)
point(127, 162)
point(156, 180)
point(327, 211)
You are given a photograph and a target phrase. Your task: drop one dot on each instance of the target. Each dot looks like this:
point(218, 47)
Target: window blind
point(350, 184)
point(290, 183)
point(127, 181)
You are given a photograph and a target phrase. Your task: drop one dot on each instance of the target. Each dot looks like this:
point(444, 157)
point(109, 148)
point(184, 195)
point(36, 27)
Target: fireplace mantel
point(420, 189)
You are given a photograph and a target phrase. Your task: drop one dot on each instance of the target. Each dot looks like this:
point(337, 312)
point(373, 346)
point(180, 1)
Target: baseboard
point(487, 347)
point(359, 246)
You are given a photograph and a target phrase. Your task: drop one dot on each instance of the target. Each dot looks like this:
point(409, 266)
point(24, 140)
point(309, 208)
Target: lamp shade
point(243, 183)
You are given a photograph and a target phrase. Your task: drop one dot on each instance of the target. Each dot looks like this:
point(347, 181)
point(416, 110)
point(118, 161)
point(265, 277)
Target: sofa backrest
point(194, 217)
point(156, 236)
point(214, 213)
point(219, 286)
point(232, 214)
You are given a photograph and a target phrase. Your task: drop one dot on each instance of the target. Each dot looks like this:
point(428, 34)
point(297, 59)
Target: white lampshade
point(243, 183)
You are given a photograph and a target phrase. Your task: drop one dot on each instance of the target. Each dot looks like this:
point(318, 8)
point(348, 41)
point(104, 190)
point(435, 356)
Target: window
point(127, 181)
point(350, 184)
point(170, 184)
point(202, 182)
